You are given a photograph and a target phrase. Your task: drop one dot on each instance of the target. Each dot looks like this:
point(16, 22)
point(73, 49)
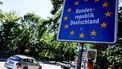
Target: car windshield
point(15, 58)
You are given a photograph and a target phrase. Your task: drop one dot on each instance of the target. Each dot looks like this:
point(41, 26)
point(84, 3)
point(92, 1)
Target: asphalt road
point(44, 66)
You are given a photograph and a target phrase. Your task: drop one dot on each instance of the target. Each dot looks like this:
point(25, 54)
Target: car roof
point(24, 56)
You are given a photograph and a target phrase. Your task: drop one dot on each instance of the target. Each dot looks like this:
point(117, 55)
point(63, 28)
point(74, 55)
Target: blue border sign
point(92, 21)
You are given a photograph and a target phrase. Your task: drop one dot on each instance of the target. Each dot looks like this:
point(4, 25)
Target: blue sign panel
point(89, 21)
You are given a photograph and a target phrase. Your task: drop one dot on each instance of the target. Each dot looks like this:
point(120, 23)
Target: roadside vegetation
point(31, 35)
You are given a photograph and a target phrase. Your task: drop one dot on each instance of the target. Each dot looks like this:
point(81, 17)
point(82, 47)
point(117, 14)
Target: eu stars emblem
point(88, 21)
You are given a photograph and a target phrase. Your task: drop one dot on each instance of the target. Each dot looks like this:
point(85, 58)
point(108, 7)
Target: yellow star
point(65, 18)
point(96, 0)
point(69, 10)
point(72, 32)
point(66, 26)
point(82, 35)
point(77, 2)
point(105, 4)
point(104, 25)
point(85, 0)
point(108, 14)
point(93, 33)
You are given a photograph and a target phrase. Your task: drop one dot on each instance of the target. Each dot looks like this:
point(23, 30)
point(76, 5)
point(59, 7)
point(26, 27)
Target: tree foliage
point(34, 36)
point(31, 35)
point(8, 29)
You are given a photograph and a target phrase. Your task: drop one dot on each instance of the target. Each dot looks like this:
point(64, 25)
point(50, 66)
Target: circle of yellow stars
point(93, 33)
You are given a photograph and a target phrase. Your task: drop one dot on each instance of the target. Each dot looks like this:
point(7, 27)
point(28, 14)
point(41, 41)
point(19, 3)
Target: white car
point(22, 62)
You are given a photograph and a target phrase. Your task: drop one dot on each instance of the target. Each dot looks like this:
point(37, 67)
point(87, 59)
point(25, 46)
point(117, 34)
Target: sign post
point(93, 21)
point(80, 55)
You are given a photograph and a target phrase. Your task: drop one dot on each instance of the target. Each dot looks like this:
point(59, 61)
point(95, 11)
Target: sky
point(120, 1)
point(39, 7)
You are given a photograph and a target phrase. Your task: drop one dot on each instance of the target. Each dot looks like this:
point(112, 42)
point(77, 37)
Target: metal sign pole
point(80, 55)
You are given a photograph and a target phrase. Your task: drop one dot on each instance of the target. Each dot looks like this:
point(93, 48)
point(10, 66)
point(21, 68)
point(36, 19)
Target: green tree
point(9, 29)
point(107, 54)
point(32, 31)
point(59, 49)
point(34, 36)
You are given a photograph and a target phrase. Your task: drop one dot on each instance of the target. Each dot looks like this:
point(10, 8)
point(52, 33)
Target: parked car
point(65, 65)
point(22, 62)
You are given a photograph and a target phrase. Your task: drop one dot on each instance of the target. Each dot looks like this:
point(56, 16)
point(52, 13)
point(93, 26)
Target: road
point(44, 66)
point(48, 66)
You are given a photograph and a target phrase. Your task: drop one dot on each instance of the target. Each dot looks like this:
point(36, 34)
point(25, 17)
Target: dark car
point(65, 65)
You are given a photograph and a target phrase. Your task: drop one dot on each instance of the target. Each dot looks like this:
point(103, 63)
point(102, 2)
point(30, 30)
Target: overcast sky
point(39, 7)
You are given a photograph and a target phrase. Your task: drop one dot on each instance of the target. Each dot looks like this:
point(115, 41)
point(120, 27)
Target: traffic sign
point(88, 21)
